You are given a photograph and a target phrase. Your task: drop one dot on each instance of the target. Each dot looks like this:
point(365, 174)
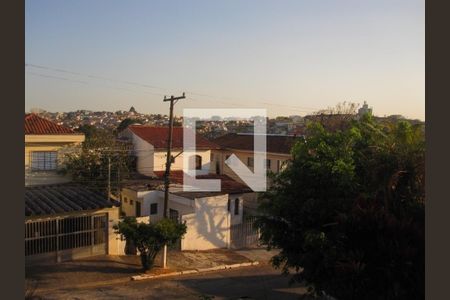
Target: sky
point(289, 57)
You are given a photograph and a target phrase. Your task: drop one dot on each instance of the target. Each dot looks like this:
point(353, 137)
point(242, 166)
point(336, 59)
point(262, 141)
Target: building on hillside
point(150, 148)
point(365, 109)
point(209, 216)
point(45, 144)
point(67, 221)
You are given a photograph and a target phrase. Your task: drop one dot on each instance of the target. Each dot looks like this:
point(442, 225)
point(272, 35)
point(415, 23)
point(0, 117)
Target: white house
point(150, 148)
point(209, 216)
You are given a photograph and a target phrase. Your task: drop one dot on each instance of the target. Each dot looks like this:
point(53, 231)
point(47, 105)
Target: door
point(138, 209)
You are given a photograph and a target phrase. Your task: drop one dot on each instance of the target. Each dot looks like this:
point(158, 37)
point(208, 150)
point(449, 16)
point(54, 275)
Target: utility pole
point(109, 177)
point(172, 100)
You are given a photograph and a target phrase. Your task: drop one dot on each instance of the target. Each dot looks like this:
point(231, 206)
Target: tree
point(89, 131)
point(127, 122)
point(149, 239)
point(334, 118)
point(347, 212)
point(90, 166)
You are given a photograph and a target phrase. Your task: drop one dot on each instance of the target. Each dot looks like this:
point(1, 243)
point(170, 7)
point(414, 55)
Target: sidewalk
point(100, 270)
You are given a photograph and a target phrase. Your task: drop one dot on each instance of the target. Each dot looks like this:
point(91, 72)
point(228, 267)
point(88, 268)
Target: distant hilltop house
point(364, 110)
point(63, 220)
point(150, 148)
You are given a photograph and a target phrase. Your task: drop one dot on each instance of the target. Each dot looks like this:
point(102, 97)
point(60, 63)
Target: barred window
point(43, 160)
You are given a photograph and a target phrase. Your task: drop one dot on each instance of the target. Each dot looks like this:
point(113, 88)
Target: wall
point(220, 156)
point(128, 200)
point(236, 219)
point(209, 225)
point(150, 159)
point(59, 143)
point(115, 246)
point(145, 155)
point(160, 160)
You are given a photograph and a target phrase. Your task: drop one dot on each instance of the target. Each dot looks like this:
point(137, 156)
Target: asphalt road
point(258, 282)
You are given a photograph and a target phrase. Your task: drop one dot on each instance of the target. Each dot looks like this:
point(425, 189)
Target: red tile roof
point(157, 136)
point(37, 125)
point(274, 143)
point(228, 185)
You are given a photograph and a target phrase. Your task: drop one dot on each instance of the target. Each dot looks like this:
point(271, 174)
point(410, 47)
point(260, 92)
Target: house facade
point(45, 145)
point(209, 216)
point(241, 144)
point(150, 148)
point(66, 221)
point(63, 220)
point(278, 153)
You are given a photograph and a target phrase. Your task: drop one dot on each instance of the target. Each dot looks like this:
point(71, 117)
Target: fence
point(65, 238)
point(245, 235)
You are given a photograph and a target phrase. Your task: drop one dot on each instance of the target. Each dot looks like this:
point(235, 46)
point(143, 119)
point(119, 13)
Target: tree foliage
point(348, 211)
point(90, 166)
point(127, 122)
point(149, 239)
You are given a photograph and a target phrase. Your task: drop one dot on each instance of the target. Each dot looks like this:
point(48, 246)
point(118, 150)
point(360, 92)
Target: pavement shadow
point(245, 287)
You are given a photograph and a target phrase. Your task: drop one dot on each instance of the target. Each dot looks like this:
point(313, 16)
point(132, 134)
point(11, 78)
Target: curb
point(194, 271)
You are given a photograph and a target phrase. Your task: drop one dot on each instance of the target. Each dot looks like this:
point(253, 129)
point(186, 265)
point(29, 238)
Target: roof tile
point(157, 136)
point(37, 125)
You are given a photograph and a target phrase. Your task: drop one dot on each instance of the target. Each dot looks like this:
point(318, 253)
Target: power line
point(296, 108)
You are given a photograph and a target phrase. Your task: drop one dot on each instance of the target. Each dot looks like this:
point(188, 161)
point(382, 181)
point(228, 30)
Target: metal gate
point(66, 238)
point(244, 235)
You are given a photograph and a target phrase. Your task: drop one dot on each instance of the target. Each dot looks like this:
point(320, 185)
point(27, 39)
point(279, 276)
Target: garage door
point(66, 238)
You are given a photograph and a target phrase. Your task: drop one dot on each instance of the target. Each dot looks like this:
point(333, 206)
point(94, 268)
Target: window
point(198, 162)
point(154, 208)
point(236, 206)
point(131, 201)
point(250, 161)
point(43, 160)
point(173, 214)
point(268, 163)
point(217, 168)
point(229, 204)
point(125, 199)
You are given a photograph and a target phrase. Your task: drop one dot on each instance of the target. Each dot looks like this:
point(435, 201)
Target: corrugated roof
point(64, 198)
point(157, 136)
point(37, 125)
point(274, 143)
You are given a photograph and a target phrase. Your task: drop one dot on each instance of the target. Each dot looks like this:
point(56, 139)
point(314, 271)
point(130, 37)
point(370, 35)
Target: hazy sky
point(291, 57)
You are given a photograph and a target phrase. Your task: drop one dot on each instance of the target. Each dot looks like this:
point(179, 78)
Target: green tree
point(127, 122)
point(149, 239)
point(347, 213)
point(90, 166)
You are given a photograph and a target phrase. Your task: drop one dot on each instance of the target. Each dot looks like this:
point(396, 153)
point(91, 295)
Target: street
point(259, 282)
